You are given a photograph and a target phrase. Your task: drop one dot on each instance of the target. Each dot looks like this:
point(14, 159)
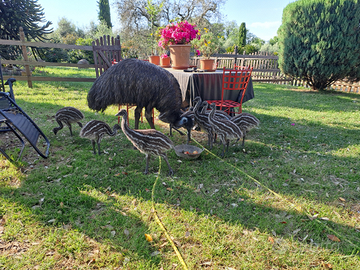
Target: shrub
point(319, 41)
point(76, 55)
point(208, 44)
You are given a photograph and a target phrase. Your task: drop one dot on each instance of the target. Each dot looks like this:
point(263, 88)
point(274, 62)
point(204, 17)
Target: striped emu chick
point(218, 114)
point(245, 121)
point(95, 130)
point(203, 121)
point(68, 115)
point(147, 141)
point(201, 118)
point(225, 129)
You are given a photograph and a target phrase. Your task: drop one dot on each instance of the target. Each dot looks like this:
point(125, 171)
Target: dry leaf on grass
point(148, 237)
point(333, 238)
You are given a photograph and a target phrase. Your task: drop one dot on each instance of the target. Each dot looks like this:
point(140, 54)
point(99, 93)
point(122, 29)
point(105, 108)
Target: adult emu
point(143, 84)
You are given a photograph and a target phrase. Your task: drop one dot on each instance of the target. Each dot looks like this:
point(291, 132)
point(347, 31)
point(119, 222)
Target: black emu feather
point(143, 84)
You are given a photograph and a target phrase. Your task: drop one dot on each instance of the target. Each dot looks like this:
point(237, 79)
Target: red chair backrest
point(236, 79)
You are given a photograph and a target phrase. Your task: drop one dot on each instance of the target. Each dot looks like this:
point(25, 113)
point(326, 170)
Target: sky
point(262, 17)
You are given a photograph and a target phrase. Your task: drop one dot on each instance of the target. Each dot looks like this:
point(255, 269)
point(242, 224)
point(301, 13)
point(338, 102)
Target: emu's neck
point(196, 109)
point(211, 114)
point(125, 125)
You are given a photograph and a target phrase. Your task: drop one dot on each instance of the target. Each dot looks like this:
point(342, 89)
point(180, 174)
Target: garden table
point(207, 85)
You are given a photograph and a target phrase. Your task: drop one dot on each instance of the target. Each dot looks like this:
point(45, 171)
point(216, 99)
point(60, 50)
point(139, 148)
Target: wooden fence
point(265, 67)
point(25, 62)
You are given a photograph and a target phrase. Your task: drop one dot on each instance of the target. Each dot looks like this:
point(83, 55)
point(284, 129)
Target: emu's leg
point(210, 139)
point(147, 164)
point(171, 172)
point(227, 145)
point(223, 151)
point(149, 117)
point(176, 130)
point(223, 141)
point(137, 117)
point(243, 142)
point(171, 127)
point(98, 145)
point(93, 145)
point(70, 129)
point(66, 122)
point(98, 140)
point(188, 135)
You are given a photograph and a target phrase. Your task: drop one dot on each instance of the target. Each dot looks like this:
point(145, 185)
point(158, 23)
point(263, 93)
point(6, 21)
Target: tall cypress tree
point(319, 41)
point(242, 35)
point(104, 12)
point(21, 13)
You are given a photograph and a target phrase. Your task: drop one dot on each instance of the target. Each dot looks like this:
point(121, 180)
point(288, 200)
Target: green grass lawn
point(289, 200)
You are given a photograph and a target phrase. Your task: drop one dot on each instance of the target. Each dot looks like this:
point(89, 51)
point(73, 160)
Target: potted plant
point(154, 58)
point(176, 37)
point(165, 61)
point(207, 45)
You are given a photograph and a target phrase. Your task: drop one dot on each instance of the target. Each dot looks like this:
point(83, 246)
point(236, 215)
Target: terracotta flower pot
point(180, 56)
point(207, 64)
point(154, 59)
point(165, 62)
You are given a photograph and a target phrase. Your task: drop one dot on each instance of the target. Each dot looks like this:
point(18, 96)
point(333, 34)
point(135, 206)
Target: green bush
point(76, 55)
point(54, 54)
point(319, 41)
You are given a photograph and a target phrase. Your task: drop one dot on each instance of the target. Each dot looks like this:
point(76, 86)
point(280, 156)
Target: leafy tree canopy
point(27, 14)
point(134, 14)
point(319, 41)
point(104, 12)
point(242, 35)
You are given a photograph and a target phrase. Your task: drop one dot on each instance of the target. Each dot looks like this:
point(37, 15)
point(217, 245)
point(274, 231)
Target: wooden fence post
point(235, 59)
point(24, 52)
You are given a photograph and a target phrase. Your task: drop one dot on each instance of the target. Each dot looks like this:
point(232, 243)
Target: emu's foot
point(171, 173)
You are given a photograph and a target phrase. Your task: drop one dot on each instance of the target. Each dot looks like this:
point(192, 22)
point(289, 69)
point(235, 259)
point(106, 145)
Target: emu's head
point(185, 121)
point(122, 113)
point(176, 119)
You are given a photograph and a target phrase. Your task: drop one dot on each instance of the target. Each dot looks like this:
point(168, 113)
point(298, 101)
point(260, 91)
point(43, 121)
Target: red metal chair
point(233, 79)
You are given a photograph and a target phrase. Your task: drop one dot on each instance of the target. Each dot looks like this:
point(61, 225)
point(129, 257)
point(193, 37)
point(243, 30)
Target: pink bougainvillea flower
point(179, 33)
point(293, 124)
